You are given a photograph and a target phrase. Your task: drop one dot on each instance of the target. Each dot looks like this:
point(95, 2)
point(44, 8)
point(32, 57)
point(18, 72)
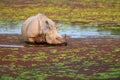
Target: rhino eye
point(48, 25)
point(47, 22)
point(58, 38)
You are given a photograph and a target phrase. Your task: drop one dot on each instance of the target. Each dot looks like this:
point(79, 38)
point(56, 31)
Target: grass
point(89, 12)
point(26, 75)
point(67, 68)
point(111, 74)
point(67, 62)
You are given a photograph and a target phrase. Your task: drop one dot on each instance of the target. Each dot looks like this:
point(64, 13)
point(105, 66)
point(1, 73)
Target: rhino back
point(36, 25)
point(44, 27)
point(25, 26)
point(33, 28)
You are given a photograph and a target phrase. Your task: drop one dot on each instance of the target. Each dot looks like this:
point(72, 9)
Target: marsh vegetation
point(88, 12)
point(83, 59)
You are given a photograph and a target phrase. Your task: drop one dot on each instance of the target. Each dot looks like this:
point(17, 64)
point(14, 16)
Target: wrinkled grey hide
point(39, 29)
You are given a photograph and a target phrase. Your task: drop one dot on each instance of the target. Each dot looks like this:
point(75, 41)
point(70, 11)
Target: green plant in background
point(117, 50)
point(89, 63)
point(10, 57)
point(26, 75)
point(7, 77)
point(53, 51)
point(111, 74)
point(86, 12)
point(39, 56)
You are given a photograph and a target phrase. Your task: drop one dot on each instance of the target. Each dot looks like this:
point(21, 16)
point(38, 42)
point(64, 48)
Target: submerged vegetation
point(91, 12)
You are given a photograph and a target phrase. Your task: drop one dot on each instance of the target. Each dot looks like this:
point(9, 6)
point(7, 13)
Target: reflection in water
point(10, 27)
point(74, 31)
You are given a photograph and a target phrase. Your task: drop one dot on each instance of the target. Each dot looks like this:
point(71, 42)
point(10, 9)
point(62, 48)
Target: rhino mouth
point(64, 43)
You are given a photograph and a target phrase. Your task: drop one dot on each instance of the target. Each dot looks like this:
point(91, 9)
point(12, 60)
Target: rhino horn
point(65, 37)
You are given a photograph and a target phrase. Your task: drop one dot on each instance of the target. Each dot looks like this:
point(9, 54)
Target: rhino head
point(53, 37)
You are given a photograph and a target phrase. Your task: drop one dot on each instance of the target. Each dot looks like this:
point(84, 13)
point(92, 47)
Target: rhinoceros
point(39, 28)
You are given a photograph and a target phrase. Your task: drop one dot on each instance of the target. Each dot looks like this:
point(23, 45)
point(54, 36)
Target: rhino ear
point(58, 26)
point(48, 25)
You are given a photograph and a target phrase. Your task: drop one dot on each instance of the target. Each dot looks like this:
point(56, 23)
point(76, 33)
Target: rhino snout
point(62, 40)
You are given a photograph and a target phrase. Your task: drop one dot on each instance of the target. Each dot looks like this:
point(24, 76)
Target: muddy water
point(72, 30)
